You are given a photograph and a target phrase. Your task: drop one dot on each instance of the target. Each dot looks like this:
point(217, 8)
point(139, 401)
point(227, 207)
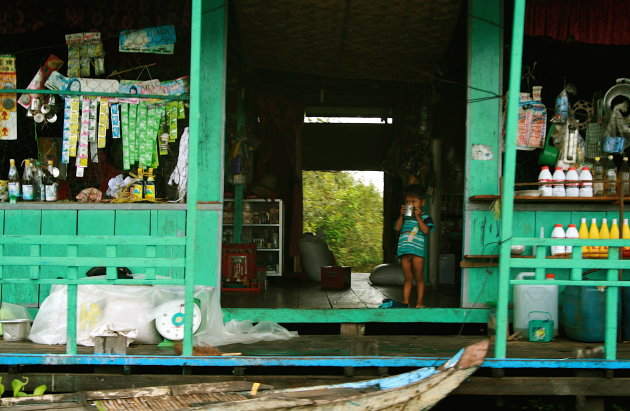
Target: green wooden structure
point(52, 244)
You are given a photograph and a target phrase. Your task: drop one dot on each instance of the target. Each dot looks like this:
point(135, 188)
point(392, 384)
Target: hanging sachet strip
point(65, 147)
point(115, 116)
point(133, 144)
point(124, 123)
point(103, 123)
point(75, 124)
point(171, 113)
point(141, 133)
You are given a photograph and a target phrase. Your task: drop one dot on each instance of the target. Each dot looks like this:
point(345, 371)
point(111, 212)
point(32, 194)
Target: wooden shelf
point(534, 199)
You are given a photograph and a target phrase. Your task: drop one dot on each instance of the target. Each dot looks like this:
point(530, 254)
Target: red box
point(335, 277)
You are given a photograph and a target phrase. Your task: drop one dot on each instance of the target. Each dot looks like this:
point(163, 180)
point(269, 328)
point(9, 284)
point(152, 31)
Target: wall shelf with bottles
point(263, 225)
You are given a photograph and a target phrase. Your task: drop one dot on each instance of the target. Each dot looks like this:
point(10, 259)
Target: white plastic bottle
point(558, 232)
point(571, 183)
point(545, 177)
point(558, 183)
point(528, 298)
point(572, 232)
point(586, 182)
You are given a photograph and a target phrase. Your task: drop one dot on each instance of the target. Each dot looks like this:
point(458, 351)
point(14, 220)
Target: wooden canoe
point(419, 389)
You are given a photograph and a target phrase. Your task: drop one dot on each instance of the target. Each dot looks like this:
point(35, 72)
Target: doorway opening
point(345, 208)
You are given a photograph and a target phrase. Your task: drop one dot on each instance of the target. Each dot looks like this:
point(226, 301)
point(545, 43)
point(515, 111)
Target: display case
point(262, 225)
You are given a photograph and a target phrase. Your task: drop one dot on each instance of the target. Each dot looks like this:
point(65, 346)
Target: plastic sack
point(387, 274)
point(315, 254)
point(99, 307)
point(104, 310)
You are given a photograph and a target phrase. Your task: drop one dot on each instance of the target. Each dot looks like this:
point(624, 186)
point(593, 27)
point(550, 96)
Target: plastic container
point(586, 182)
point(558, 183)
point(604, 234)
point(571, 183)
point(572, 232)
point(529, 298)
point(545, 177)
point(15, 330)
point(558, 232)
point(583, 232)
point(584, 313)
point(593, 234)
point(625, 234)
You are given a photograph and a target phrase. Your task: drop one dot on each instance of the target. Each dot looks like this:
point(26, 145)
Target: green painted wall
point(72, 222)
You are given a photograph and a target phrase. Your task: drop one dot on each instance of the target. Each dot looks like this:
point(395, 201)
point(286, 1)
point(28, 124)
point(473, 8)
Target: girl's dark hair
point(413, 190)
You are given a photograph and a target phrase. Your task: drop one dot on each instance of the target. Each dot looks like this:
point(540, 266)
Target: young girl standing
point(414, 227)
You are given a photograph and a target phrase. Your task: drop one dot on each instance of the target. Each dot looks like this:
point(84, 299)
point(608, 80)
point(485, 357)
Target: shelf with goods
point(262, 224)
point(77, 120)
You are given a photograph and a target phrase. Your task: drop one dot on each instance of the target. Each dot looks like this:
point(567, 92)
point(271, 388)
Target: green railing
point(576, 264)
point(71, 261)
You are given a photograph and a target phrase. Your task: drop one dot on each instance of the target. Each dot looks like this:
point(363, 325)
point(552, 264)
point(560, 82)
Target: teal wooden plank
point(357, 315)
point(90, 240)
point(484, 229)
point(132, 222)
point(208, 261)
point(20, 222)
point(485, 64)
point(56, 222)
point(170, 224)
point(94, 222)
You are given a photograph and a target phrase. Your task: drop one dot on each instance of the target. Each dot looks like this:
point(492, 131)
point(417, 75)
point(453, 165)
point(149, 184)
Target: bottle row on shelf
point(605, 180)
point(38, 182)
point(591, 232)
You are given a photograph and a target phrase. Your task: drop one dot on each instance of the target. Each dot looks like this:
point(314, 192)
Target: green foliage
point(349, 213)
point(18, 386)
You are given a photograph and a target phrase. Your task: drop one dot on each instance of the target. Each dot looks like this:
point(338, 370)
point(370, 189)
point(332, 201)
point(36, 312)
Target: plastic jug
point(545, 177)
point(529, 298)
point(558, 183)
point(583, 232)
point(571, 183)
point(558, 232)
point(604, 234)
point(572, 232)
point(625, 234)
point(593, 234)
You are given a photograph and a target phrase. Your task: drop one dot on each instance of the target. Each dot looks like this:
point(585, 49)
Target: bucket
point(540, 330)
point(584, 313)
point(549, 154)
point(16, 330)
point(528, 298)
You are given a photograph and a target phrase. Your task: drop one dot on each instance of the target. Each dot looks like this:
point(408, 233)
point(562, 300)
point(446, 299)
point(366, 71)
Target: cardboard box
point(335, 277)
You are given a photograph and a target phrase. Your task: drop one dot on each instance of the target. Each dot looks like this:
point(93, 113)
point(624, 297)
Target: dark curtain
point(586, 21)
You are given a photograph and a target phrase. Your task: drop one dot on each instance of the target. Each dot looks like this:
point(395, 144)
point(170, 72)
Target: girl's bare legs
point(405, 261)
point(418, 269)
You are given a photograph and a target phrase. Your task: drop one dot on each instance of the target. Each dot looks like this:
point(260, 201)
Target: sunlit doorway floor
point(286, 292)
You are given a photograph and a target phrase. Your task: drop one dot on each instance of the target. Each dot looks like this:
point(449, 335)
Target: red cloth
point(586, 21)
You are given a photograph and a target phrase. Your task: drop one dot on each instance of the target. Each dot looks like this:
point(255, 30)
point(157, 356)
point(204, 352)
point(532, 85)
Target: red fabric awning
point(595, 22)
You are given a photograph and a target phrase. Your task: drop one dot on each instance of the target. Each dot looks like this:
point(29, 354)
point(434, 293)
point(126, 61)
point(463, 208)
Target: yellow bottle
point(593, 234)
point(614, 230)
point(604, 234)
point(583, 231)
point(625, 234)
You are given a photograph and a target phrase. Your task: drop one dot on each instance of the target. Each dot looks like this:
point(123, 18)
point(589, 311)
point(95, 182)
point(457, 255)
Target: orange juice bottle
point(614, 230)
point(583, 232)
point(593, 234)
point(604, 234)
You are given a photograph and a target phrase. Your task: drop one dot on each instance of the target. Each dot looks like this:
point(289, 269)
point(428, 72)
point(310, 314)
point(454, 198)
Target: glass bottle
point(149, 188)
point(624, 177)
point(138, 186)
point(27, 182)
point(611, 177)
point(598, 178)
point(14, 182)
point(50, 183)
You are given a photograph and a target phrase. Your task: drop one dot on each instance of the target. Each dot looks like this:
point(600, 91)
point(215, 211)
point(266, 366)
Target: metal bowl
point(517, 249)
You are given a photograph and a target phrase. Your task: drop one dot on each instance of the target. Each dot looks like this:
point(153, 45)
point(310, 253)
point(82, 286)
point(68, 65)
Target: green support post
point(205, 155)
point(507, 203)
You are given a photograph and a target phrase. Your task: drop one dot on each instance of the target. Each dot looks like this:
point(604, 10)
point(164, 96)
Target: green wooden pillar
point(205, 158)
point(485, 62)
point(507, 205)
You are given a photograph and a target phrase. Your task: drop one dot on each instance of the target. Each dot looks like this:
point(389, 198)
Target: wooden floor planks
point(284, 292)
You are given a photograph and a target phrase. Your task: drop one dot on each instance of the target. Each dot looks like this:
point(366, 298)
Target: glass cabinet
point(263, 226)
